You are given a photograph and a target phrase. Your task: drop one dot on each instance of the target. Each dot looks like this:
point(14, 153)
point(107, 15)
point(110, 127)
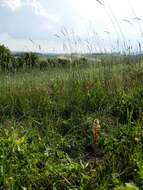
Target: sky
point(57, 26)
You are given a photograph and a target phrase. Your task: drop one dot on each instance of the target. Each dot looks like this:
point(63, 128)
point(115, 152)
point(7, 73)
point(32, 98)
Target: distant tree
point(63, 61)
point(6, 58)
point(52, 62)
point(43, 64)
point(31, 59)
point(20, 62)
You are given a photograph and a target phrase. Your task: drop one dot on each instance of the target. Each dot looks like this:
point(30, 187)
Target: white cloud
point(35, 5)
point(12, 4)
point(41, 11)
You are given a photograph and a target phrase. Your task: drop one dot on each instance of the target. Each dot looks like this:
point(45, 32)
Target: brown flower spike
point(96, 130)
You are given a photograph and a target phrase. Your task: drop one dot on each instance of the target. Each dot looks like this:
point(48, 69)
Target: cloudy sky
point(70, 25)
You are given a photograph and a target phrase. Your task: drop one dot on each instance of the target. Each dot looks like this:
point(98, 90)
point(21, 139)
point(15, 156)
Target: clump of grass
point(128, 186)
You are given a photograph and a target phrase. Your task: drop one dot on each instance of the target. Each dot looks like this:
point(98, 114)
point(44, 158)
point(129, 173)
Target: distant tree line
point(11, 62)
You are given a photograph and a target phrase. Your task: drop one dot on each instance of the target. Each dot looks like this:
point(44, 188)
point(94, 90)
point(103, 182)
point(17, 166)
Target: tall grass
point(46, 118)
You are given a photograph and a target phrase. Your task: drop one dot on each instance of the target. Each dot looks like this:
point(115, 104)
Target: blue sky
point(70, 25)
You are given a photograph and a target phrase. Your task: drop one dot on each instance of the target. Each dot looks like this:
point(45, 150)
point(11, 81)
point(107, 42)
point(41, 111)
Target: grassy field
point(46, 118)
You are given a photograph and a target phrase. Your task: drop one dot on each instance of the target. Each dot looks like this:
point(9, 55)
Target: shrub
point(31, 59)
point(6, 58)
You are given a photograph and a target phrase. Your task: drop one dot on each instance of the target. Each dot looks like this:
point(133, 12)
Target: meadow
point(46, 118)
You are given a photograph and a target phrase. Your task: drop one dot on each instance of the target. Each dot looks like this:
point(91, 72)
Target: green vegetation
point(26, 61)
point(45, 125)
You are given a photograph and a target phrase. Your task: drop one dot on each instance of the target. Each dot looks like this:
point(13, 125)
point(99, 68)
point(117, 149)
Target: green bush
point(6, 59)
